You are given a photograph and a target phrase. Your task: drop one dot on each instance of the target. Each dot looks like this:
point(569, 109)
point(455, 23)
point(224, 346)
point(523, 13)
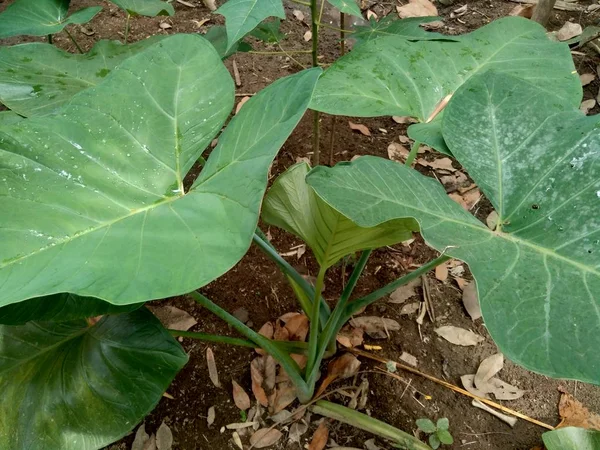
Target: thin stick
point(315, 19)
point(448, 385)
point(127, 28)
point(74, 41)
point(290, 56)
point(283, 52)
point(236, 74)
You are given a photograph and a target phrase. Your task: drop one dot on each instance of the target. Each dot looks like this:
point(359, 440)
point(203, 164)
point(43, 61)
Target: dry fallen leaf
point(441, 272)
point(489, 367)
point(141, 437)
point(492, 220)
point(308, 36)
point(173, 318)
point(409, 359)
point(165, 25)
point(502, 390)
point(459, 11)
point(410, 308)
point(404, 119)
point(164, 438)
point(256, 373)
point(240, 398)
point(270, 372)
point(265, 437)
point(376, 327)
point(298, 327)
point(417, 8)
point(586, 78)
point(319, 440)
point(350, 337)
point(522, 11)
point(405, 292)
point(237, 440)
point(431, 26)
point(371, 14)
point(586, 105)
point(459, 336)
point(188, 4)
point(212, 367)
point(574, 414)
point(360, 128)
point(568, 31)
point(240, 104)
point(296, 431)
point(397, 152)
point(442, 164)
point(210, 416)
point(471, 301)
point(286, 394)
point(344, 366)
point(298, 15)
point(468, 382)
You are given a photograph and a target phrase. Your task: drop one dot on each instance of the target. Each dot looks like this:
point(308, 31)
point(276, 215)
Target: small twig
point(291, 57)
point(427, 298)
point(284, 52)
point(245, 94)
point(449, 386)
point(236, 74)
point(510, 421)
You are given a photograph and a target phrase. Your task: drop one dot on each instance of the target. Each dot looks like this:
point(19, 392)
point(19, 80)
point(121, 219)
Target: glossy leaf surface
point(41, 17)
point(538, 161)
point(150, 8)
point(72, 386)
point(292, 205)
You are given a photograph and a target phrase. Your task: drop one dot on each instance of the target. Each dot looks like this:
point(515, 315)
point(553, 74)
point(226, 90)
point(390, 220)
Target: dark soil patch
point(256, 284)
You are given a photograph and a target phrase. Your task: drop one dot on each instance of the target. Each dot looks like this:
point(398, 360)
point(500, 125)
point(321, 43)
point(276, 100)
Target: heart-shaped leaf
point(571, 438)
point(537, 160)
point(41, 17)
point(409, 28)
point(291, 204)
point(59, 308)
point(72, 386)
point(36, 79)
point(96, 195)
point(150, 8)
point(242, 16)
point(396, 77)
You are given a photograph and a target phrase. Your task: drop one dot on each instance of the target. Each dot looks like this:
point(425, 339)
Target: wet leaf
point(319, 439)
point(240, 397)
point(575, 414)
point(265, 437)
point(360, 128)
point(173, 318)
point(471, 300)
point(405, 292)
point(417, 8)
point(459, 336)
point(376, 327)
point(164, 438)
point(212, 367)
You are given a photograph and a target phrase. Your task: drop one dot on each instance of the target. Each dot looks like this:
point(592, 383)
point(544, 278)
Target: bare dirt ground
point(256, 284)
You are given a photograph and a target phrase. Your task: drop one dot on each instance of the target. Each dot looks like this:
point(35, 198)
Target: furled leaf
point(392, 26)
point(392, 76)
point(291, 204)
point(150, 8)
point(41, 17)
point(105, 213)
point(242, 16)
point(36, 79)
point(268, 31)
point(572, 438)
point(71, 386)
point(347, 7)
point(537, 161)
point(59, 308)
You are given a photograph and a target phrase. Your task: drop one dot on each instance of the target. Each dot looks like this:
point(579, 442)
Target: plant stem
point(50, 39)
point(367, 423)
point(356, 305)
point(283, 52)
point(315, 63)
point(333, 324)
point(283, 357)
point(74, 41)
point(313, 337)
point(127, 28)
point(331, 27)
point(413, 153)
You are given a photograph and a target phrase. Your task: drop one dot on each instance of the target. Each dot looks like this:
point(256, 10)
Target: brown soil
point(256, 284)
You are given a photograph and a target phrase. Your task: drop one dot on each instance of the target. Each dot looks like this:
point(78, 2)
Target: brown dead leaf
point(188, 4)
point(308, 36)
point(440, 164)
point(410, 308)
point(344, 366)
point(212, 367)
point(360, 128)
point(459, 336)
point(319, 440)
point(265, 437)
point(405, 292)
point(350, 337)
point(371, 14)
point(165, 25)
point(173, 318)
point(574, 414)
point(522, 11)
point(404, 119)
point(568, 31)
point(417, 8)
point(502, 390)
point(266, 330)
point(492, 220)
point(284, 397)
point(210, 4)
point(297, 327)
point(164, 437)
point(210, 416)
point(241, 103)
point(441, 272)
point(461, 282)
point(240, 398)
point(270, 372)
point(587, 105)
point(409, 359)
point(489, 367)
point(300, 360)
point(298, 15)
point(432, 26)
point(397, 152)
point(256, 372)
point(586, 78)
point(141, 437)
point(471, 301)
point(376, 327)
point(468, 382)
point(281, 333)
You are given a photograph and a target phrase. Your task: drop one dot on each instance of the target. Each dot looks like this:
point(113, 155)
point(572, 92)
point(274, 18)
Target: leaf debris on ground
point(212, 367)
point(459, 336)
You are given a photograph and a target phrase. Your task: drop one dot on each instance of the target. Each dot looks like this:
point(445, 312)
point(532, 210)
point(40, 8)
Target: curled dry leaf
point(586, 78)
point(417, 8)
point(297, 430)
point(319, 439)
point(376, 327)
point(459, 336)
point(405, 292)
point(440, 164)
point(164, 437)
point(471, 301)
point(212, 367)
point(265, 437)
point(165, 25)
point(308, 36)
point(410, 308)
point(241, 103)
point(210, 416)
point(240, 398)
point(441, 272)
point(210, 4)
point(489, 367)
point(568, 31)
point(297, 327)
point(397, 152)
point(587, 105)
point(173, 318)
point(404, 119)
point(574, 414)
point(350, 337)
point(360, 128)
point(522, 11)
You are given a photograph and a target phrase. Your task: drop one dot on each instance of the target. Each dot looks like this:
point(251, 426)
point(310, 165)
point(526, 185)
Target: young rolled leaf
point(409, 28)
point(96, 193)
point(537, 160)
point(242, 16)
point(41, 17)
point(396, 77)
point(571, 438)
point(347, 7)
point(59, 308)
point(150, 8)
point(36, 79)
point(292, 205)
point(72, 386)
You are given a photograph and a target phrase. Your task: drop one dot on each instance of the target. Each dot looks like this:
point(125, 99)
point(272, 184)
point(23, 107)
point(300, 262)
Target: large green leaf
point(572, 438)
point(538, 161)
point(41, 17)
point(347, 6)
point(72, 386)
point(9, 117)
point(36, 79)
point(409, 28)
point(291, 204)
point(59, 308)
point(95, 192)
point(395, 76)
point(242, 16)
point(150, 8)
